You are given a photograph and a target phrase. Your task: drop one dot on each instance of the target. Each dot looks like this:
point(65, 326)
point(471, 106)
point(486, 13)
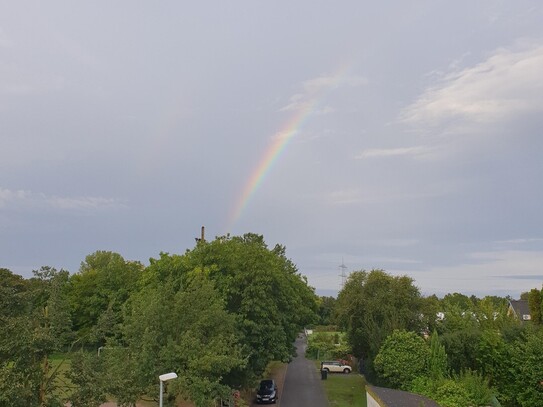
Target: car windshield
point(266, 385)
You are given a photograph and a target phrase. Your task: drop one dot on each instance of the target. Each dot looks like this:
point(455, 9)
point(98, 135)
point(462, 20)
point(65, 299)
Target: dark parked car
point(267, 392)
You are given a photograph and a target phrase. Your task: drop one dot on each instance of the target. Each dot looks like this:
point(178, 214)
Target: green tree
point(104, 282)
point(491, 313)
point(185, 330)
point(263, 288)
point(451, 393)
point(321, 345)
point(535, 303)
point(491, 353)
point(402, 357)
point(457, 319)
point(13, 294)
point(437, 363)
point(326, 308)
point(460, 301)
point(372, 305)
point(461, 347)
point(430, 307)
point(88, 377)
point(29, 335)
point(526, 369)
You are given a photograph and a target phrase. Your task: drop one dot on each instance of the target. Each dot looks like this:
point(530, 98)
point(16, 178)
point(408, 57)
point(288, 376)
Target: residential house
point(519, 309)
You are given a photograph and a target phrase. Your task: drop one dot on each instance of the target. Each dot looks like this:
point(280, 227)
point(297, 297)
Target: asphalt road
point(302, 386)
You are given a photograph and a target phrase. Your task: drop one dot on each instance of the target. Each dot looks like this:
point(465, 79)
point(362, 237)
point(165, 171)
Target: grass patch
point(61, 364)
point(345, 390)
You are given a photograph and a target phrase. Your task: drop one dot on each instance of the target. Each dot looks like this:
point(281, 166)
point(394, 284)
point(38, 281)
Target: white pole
point(161, 386)
point(163, 378)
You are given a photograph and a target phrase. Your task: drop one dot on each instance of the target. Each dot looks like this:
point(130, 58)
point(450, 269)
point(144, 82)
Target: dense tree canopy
point(220, 312)
point(265, 291)
point(372, 305)
point(34, 323)
point(216, 315)
point(103, 284)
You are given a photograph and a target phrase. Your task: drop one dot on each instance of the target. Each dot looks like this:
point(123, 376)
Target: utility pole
point(342, 273)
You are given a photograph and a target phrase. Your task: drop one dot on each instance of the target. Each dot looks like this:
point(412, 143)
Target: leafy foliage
point(467, 389)
point(372, 305)
point(402, 357)
point(34, 325)
point(329, 345)
point(526, 369)
point(186, 331)
point(326, 307)
point(103, 284)
point(87, 374)
point(263, 288)
point(535, 302)
point(437, 363)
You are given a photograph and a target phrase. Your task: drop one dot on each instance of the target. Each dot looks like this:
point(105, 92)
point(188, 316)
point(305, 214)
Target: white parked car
point(335, 367)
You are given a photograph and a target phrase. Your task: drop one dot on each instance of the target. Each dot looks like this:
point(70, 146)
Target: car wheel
point(346, 370)
point(327, 370)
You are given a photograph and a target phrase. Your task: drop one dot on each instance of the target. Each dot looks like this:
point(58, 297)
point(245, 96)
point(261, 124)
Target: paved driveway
point(302, 386)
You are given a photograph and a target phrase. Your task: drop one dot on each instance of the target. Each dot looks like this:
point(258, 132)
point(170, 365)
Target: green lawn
point(63, 386)
point(345, 390)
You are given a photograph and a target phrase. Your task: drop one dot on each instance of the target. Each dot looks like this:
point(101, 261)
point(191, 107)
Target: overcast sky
point(400, 135)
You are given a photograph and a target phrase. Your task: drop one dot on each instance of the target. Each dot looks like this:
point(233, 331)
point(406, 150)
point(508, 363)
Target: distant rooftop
point(521, 309)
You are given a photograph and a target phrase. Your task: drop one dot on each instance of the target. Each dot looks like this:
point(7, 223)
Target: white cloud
point(333, 81)
point(21, 199)
point(7, 196)
point(506, 85)
point(415, 151)
point(82, 203)
point(520, 241)
point(314, 89)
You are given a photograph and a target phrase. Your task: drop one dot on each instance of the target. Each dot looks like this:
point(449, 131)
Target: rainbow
point(280, 141)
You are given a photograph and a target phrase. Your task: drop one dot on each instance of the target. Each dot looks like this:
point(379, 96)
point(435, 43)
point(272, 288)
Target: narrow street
point(302, 386)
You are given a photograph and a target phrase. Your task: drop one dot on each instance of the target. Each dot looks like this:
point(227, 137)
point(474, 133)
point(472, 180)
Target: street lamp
point(163, 378)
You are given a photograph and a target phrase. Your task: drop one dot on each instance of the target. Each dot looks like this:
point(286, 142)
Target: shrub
point(452, 394)
point(402, 357)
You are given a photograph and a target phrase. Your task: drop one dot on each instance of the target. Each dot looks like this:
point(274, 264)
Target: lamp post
point(163, 378)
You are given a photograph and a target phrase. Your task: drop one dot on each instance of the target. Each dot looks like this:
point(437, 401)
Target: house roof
point(397, 398)
point(521, 308)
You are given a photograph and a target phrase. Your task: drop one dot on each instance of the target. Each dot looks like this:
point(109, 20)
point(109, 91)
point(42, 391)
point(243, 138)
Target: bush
point(467, 389)
point(403, 357)
point(452, 394)
point(476, 386)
